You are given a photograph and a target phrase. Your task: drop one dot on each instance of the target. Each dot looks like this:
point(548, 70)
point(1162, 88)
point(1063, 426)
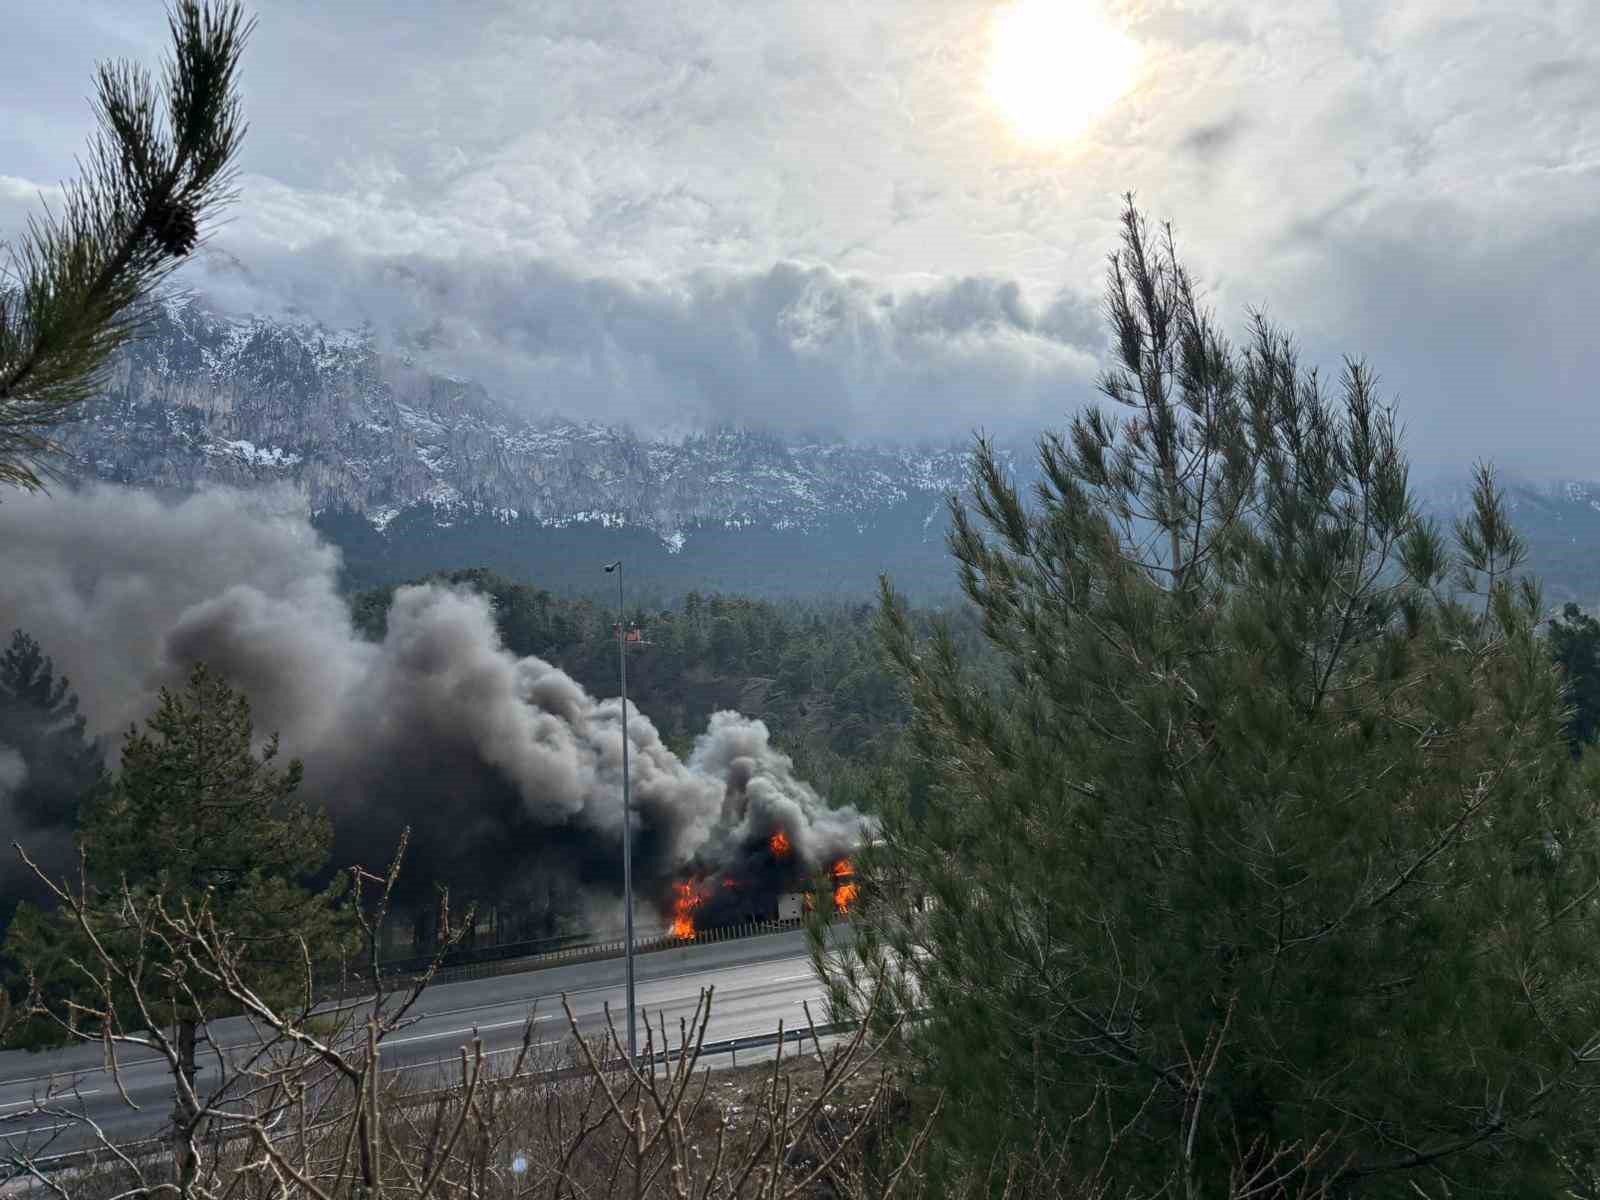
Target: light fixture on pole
point(627, 815)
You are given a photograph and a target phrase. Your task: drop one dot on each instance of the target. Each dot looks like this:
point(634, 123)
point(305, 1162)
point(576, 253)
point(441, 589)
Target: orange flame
point(845, 889)
point(688, 899)
point(780, 844)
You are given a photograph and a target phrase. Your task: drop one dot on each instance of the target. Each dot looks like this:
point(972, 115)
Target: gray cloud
point(1488, 346)
point(598, 203)
point(791, 347)
point(504, 767)
point(1214, 138)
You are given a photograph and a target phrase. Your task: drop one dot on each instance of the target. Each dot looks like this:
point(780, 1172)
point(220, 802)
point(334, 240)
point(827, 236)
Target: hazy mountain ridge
point(1559, 519)
point(410, 468)
point(212, 399)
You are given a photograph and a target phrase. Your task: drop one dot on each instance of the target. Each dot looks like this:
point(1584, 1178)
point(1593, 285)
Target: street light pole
point(627, 815)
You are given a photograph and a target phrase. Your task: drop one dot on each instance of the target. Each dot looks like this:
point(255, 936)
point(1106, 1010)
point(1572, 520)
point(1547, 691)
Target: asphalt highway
point(758, 982)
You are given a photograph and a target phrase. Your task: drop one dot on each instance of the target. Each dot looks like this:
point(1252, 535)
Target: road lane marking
point(41, 1129)
point(437, 1062)
point(63, 1096)
point(428, 1037)
point(354, 1002)
point(606, 987)
point(556, 995)
point(662, 1003)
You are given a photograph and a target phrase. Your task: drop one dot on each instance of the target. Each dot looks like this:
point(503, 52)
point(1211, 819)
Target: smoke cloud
point(504, 768)
point(13, 773)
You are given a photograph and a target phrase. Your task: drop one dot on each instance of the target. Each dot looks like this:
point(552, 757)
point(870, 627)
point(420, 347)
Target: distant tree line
point(838, 560)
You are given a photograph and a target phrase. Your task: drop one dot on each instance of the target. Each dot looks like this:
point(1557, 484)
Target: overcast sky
point(816, 213)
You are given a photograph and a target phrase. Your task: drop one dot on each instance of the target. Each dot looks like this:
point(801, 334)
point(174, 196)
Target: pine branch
point(159, 167)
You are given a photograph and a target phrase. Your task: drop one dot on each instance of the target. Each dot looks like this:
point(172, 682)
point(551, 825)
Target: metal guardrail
point(593, 951)
point(729, 1046)
point(469, 953)
point(149, 1147)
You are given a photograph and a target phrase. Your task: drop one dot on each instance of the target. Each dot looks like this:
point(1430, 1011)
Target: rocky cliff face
point(206, 398)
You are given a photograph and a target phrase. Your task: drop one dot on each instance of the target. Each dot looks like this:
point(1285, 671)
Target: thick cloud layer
point(790, 347)
point(503, 767)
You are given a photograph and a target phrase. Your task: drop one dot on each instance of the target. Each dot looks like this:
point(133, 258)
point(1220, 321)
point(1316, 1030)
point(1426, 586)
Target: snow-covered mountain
point(373, 437)
point(1558, 518)
point(208, 398)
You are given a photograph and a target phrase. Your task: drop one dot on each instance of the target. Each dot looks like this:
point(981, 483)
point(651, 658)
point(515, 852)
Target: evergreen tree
point(60, 766)
point(1271, 834)
point(158, 168)
point(1575, 645)
point(195, 818)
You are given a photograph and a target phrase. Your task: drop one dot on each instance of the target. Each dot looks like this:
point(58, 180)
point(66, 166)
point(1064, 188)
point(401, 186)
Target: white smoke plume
point(13, 772)
point(503, 767)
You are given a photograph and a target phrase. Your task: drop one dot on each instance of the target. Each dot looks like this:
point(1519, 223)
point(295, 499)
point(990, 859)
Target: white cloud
point(1360, 168)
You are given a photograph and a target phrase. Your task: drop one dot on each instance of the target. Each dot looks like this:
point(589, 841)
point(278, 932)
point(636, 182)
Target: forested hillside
point(838, 558)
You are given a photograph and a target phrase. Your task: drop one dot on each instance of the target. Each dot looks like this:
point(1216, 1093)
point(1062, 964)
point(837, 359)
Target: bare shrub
point(304, 1107)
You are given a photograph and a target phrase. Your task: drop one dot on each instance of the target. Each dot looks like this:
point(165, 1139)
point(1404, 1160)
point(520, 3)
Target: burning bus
point(771, 882)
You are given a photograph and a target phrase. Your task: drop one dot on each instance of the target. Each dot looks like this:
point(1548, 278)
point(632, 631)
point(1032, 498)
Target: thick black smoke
point(504, 768)
point(772, 836)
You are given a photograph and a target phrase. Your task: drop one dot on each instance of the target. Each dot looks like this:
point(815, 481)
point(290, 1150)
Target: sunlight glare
point(1056, 65)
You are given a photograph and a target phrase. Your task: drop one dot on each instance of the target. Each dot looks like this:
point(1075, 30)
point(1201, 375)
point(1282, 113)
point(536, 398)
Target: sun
point(1057, 65)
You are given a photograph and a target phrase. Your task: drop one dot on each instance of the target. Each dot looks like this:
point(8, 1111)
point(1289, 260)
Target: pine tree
point(1575, 645)
point(158, 169)
point(195, 819)
point(1270, 841)
point(61, 767)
